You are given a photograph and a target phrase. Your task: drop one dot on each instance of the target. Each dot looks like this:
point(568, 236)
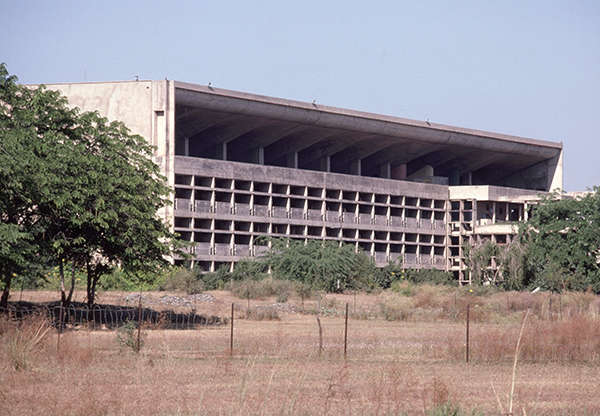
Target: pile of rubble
point(171, 300)
point(279, 307)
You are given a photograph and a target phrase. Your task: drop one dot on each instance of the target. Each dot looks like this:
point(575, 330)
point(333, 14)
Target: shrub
point(259, 289)
point(127, 337)
point(183, 279)
point(388, 275)
point(249, 289)
point(304, 291)
point(282, 289)
point(247, 270)
point(433, 276)
point(262, 314)
point(322, 265)
point(394, 308)
point(403, 288)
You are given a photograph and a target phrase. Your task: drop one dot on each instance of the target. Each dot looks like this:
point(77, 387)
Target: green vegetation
point(563, 244)
point(78, 193)
point(127, 337)
point(558, 249)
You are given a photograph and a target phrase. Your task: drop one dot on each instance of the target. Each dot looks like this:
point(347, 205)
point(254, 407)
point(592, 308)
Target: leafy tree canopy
point(563, 243)
point(77, 189)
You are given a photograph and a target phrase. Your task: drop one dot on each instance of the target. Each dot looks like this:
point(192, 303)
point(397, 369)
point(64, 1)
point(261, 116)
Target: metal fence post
point(231, 333)
point(467, 350)
point(346, 333)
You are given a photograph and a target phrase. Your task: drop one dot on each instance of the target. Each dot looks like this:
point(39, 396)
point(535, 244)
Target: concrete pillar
point(398, 172)
point(385, 170)
point(222, 151)
point(258, 155)
point(292, 160)
point(325, 164)
point(186, 146)
point(520, 212)
point(454, 178)
point(355, 167)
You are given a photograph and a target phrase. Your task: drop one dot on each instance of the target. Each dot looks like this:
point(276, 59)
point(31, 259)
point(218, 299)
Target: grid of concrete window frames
point(224, 218)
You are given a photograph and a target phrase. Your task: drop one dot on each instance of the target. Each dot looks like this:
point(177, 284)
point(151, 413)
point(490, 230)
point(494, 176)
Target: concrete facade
point(244, 166)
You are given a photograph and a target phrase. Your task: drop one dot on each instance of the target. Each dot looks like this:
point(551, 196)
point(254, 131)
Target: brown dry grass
point(393, 367)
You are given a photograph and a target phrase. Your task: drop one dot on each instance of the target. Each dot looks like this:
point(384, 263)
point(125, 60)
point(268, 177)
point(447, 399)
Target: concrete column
point(454, 178)
point(257, 155)
point(292, 160)
point(520, 212)
point(222, 151)
point(325, 164)
point(398, 172)
point(385, 170)
point(261, 155)
point(186, 146)
point(355, 167)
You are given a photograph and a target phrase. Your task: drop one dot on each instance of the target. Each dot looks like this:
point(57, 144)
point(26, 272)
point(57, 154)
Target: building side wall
point(145, 107)
point(129, 102)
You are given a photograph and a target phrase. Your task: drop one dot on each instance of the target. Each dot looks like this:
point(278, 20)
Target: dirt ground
point(392, 367)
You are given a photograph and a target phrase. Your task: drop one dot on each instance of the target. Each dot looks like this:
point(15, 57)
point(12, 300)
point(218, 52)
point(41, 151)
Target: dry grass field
point(406, 355)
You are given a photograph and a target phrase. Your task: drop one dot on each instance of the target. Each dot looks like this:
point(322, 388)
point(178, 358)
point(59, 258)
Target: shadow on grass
point(104, 316)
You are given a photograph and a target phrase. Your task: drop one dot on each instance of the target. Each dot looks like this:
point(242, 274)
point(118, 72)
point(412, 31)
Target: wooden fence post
point(320, 336)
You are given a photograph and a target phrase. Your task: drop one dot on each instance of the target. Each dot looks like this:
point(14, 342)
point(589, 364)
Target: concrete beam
point(196, 121)
point(297, 142)
point(475, 165)
point(265, 136)
point(221, 134)
point(365, 148)
point(329, 147)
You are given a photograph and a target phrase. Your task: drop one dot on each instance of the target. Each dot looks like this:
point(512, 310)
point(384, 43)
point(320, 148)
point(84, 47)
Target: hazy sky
point(528, 68)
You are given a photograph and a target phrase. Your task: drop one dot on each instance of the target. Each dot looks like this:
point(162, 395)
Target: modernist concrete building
point(244, 166)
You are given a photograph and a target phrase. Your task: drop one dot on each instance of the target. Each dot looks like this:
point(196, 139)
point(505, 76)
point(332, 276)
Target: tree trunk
point(72, 288)
point(6, 292)
point(61, 272)
point(92, 298)
point(90, 294)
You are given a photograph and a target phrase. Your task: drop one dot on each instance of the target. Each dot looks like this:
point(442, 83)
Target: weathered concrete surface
point(147, 108)
point(246, 171)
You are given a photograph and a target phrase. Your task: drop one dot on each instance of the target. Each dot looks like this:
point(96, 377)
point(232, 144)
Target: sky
point(526, 68)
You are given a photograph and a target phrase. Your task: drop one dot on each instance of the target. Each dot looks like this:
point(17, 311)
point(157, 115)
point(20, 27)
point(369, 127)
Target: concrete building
point(244, 166)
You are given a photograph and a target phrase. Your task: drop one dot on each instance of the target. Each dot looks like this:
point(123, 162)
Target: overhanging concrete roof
point(227, 101)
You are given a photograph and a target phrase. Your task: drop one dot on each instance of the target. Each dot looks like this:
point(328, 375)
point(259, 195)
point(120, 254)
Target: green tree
point(563, 243)
point(80, 191)
point(322, 265)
